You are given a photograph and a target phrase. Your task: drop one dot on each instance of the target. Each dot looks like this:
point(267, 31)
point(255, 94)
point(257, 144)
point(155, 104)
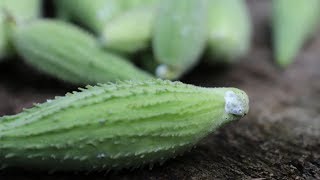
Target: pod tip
point(237, 103)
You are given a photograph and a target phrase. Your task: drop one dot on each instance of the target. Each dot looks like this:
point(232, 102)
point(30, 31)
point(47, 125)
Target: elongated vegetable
point(293, 22)
point(20, 11)
point(71, 54)
point(130, 31)
point(127, 124)
point(229, 29)
point(179, 35)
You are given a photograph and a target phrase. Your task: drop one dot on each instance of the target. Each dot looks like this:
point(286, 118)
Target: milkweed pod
point(127, 124)
point(130, 31)
point(71, 54)
point(229, 30)
point(179, 34)
point(96, 14)
point(294, 21)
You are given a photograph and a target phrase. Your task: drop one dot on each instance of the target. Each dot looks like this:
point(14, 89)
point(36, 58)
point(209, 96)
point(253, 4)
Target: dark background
point(278, 139)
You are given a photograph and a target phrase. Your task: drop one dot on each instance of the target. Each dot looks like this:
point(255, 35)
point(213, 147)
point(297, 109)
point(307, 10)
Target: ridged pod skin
point(294, 21)
point(179, 35)
point(130, 31)
point(19, 11)
point(229, 30)
point(116, 126)
point(96, 14)
point(71, 54)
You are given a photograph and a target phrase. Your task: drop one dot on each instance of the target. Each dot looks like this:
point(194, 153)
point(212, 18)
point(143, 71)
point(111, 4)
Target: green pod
point(294, 21)
point(179, 35)
point(19, 12)
point(115, 126)
point(130, 31)
point(71, 54)
point(92, 14)
point(95, 14)
point(229, 29)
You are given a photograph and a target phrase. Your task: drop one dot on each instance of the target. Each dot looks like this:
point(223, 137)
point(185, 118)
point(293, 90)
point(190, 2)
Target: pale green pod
point(129, 31)
point(96, 14)
point(19, 12)
point(71, 54)
point(179, 35)
point(128, 124)
point(294, 21)
point(230, 29)
point(92, 14)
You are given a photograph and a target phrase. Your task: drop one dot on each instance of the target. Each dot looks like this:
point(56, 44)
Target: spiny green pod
point(294, 21)
point(229, 29)
point(115, 126)
point(71, 54)
point(129, 31)
point(179, 35)
point(19, 11)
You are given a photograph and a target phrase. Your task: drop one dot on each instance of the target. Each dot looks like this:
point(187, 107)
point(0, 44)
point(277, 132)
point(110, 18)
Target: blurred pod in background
point(71, 54)
point(17, 11)
point(230, 29)
point(294, 21)
point(130, 31)
point(122, 25)
point(179, 36)
point(92, 14)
